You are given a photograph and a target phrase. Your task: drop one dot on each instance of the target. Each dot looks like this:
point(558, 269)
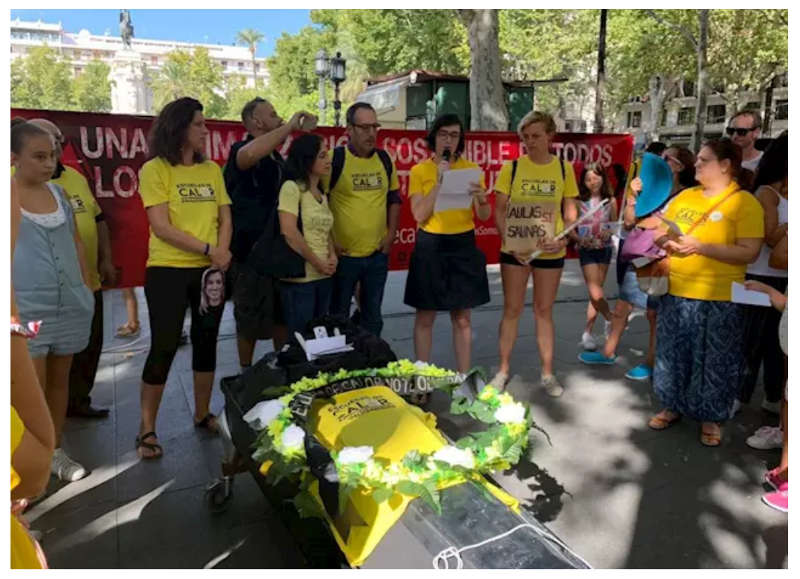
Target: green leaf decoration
point(382, 495)
point(459, 406)
point(307, 506)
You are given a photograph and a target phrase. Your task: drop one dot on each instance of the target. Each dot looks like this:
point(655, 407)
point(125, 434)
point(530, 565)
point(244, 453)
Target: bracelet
point(207, 249)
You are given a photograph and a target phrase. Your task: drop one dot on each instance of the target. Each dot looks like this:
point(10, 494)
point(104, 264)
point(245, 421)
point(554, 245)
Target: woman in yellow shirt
point(536, 200)
point(700, 358)
point(306, 222)
point(190, 230)
point(447, 271)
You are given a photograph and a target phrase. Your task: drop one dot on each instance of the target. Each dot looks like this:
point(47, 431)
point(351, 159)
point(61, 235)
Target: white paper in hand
point(742, 295)
point(454, 190)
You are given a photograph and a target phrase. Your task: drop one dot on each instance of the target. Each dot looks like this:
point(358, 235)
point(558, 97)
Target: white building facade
point(677, 119)
point(130, 69)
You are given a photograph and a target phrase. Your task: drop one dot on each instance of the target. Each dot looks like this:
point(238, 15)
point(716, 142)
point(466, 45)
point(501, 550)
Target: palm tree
point(250, 38)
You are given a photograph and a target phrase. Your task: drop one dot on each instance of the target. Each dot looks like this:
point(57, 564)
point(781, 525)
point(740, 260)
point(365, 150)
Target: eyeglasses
point(740, 132)
point(452, 135)
point(372, 127)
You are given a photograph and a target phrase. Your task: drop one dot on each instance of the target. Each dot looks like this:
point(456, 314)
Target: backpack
point(338, 166)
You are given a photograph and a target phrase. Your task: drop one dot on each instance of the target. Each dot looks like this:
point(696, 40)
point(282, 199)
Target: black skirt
point(446, 272)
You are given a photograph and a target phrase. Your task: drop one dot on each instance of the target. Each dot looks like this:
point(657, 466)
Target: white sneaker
point(588, 343)
point(552, 386)
point(65, 468)
point(773, 407)
point(737, 406)
point(766, 438)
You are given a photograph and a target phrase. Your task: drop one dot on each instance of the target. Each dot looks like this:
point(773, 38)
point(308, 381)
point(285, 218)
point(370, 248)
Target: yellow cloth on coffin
point(379, 418)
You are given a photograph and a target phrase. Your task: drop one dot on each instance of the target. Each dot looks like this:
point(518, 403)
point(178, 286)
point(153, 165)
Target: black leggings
point(169, 290)
point(762, 345)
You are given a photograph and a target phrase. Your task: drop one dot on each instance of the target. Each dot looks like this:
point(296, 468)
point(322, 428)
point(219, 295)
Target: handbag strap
point(713, 208)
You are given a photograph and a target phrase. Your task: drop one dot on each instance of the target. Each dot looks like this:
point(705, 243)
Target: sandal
point(151, 446)
point(661, 422)
point(209, 423)
point(128, 330)
point(710, 437)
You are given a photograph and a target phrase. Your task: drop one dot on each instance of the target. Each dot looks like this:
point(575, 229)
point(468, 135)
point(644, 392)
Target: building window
point(241, 65)
point(715, 114)
point(224, 63)
point(634, 119)
point(663, 117)
point(753, 106)
point(686, 116)
point(688, 88)
point(781, 110)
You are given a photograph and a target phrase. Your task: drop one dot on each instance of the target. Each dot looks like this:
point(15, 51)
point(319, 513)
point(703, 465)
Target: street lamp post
point(333, 68)
point(338, 76)
point(321, 68)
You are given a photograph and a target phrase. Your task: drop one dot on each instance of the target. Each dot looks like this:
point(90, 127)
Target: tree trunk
point(702, 57)
point(659, 88)
point(253, 58)
point(599, 92)
point(486, 94)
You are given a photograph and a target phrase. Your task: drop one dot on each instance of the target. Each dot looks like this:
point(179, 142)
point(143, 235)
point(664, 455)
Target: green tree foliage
point(746, 47)
point(92, 88)
point(389, 41)
point(191, 74)
point(292, 81)
point(41, 80)
point(550, 44)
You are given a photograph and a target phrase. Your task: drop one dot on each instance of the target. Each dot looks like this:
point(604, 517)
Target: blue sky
point(209, 26)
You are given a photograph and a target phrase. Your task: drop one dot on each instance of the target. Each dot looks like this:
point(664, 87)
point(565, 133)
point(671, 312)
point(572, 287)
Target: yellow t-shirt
point(317, 221)
point(359, 204)
point(423, 179)
point(23, 553)
point(540, 185)
point(86, 210)
point(194, 194)
point(703, 278)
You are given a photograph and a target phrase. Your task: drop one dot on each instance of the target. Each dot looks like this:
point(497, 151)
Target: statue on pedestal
point(126, 28)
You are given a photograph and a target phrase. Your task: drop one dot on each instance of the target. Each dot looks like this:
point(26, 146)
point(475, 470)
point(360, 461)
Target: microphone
point(446, 155)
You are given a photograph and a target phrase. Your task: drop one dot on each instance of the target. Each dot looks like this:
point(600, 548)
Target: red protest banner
point(110, 149)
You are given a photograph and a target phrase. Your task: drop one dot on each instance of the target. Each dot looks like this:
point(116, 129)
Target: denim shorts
point(629, 291)
point(601, 256)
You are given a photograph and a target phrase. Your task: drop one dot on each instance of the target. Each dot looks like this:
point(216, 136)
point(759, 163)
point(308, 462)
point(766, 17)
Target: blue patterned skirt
point(699, 357)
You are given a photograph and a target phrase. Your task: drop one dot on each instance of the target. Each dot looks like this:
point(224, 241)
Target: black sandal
point(151, 446)
point(209, 423)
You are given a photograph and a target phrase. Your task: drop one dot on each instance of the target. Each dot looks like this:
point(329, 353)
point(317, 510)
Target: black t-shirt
point(254, 195)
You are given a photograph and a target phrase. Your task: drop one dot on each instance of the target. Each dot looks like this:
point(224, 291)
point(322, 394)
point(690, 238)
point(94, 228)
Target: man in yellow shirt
point(364, 194)
point(96, 239)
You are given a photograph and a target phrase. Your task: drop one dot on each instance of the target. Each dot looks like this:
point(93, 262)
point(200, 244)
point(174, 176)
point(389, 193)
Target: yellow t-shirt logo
point(192, 193)
point(367, 181)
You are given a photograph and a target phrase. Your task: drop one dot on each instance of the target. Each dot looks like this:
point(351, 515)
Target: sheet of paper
point(742, 295)
point(454, 191)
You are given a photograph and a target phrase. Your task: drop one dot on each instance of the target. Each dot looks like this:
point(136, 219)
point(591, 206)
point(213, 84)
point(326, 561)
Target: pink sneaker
point(778, 500)
point(773, 479)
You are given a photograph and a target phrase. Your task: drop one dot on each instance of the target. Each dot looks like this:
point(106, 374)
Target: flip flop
point(151, 446)
point(708, 438)
point(658, 422)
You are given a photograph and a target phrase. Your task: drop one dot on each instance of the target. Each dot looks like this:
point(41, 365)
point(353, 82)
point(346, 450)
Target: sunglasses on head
point(741, 132)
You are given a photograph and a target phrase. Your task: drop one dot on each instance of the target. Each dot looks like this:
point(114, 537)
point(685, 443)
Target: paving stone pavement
point(619, 494)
